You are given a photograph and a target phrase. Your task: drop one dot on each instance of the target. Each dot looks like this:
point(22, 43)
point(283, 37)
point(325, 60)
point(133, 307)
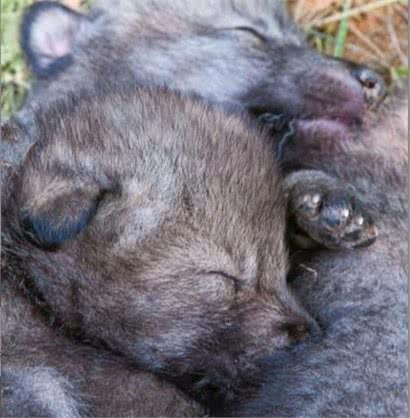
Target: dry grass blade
point(393, 37)
point(354, 12)
point(369, 43)
point(371, 38)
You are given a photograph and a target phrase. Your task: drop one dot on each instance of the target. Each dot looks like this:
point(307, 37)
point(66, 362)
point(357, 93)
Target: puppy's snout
point(299, 330)
point(372, 83)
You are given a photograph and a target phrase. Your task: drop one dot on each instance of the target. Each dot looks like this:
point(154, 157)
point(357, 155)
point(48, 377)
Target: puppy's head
point(157, 225)
point(246, 55)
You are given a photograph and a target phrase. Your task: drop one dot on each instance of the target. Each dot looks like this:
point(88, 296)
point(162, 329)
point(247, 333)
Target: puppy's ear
point(48, 34)
point(55, 211)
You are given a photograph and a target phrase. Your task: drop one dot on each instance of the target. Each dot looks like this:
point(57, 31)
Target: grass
point(15, 77)
point(343, 29)
point(373, 32)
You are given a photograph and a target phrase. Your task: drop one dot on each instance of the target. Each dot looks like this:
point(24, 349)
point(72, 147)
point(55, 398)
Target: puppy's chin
point(218, 381)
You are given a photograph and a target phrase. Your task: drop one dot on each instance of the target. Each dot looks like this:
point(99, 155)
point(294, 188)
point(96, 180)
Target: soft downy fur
point(131, 226)
point(245, 56)
point(72, 70)
point(163, 191)
point(359, 367)
point(336, 81)
point(50, 371)
point(47, 373)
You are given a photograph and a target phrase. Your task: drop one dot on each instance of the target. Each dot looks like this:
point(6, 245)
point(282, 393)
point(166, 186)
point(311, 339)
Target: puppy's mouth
point(338, 127)
point(285, 128)
point(341, 109)
point(281, 121)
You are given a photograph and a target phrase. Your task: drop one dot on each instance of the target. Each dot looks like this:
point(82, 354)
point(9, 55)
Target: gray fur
point(188, 203)
point(173, 61)
point(49, 373)
point(37, 391)
point(360, 366)
point(154, 243)
point(241, 55)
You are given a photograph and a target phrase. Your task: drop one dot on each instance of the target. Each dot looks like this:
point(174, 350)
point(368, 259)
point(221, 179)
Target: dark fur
point(49, 372)
point(238, 54)
point(46, 373)
point(359, 367)
point(285, 86)
point(154, 243)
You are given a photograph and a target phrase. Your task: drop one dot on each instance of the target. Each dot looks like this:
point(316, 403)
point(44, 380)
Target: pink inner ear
point(53, 35)
point(57, 46)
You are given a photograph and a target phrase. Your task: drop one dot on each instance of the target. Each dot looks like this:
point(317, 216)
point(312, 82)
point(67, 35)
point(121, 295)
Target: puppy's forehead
point(170, 159)
point(172, 17)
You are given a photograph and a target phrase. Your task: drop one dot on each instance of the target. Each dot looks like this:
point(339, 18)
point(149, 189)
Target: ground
point(374, 32)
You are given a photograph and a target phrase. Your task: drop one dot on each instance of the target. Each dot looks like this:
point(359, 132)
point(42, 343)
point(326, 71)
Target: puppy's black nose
point(299, 330)
point(372, 83)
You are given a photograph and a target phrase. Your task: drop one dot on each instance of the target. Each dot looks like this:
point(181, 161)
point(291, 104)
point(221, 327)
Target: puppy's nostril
point(298, 332)
point(373, 84)
point(367, 78)
point(299, 329)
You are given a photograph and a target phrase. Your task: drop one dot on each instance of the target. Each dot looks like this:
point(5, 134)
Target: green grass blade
point(343, 29)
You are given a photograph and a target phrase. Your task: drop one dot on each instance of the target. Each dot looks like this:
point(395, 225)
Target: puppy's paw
point(324, 214)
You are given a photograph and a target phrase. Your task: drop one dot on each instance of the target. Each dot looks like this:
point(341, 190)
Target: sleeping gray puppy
point(245, 56)
point(359, 367)
point(159, 235)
